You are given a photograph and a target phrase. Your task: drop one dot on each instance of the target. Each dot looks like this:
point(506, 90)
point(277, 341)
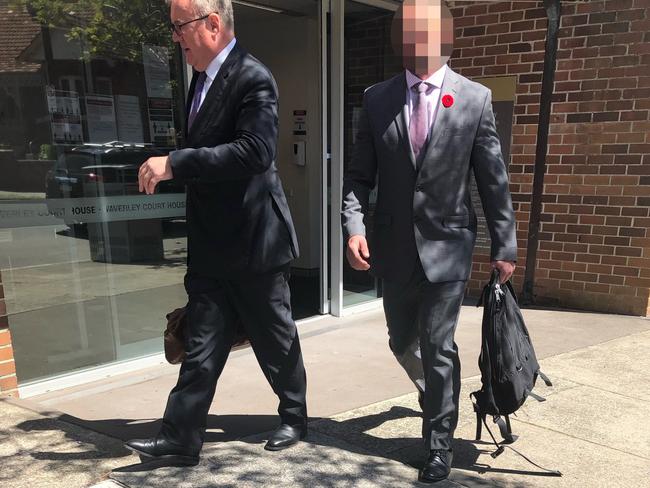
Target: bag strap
point(505, 427)
point(536, 397)
point(501, 448)
point(547, 381)
point(544, 378)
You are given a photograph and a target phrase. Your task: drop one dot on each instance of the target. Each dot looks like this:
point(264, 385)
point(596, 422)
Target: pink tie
point(419, 125)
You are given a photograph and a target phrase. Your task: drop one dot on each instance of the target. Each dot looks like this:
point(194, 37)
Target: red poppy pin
point(447, 101)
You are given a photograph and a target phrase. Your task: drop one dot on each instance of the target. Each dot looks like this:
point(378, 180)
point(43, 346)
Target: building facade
point(89, 267)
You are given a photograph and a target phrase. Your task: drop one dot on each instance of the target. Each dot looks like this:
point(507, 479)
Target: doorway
point(285, 35)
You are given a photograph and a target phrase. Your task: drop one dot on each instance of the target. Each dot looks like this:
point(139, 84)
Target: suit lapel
point(400, 107)
point(215, 93)
point(443, 114)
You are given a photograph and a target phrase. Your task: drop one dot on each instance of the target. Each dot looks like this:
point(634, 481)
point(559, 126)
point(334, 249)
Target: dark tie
point(419, 125)
point(196, 100)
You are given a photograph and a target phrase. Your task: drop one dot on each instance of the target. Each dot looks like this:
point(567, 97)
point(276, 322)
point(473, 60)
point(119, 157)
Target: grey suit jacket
point(424, 209)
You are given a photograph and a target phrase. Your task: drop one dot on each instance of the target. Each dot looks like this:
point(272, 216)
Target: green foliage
point(47, 151)
point(114, 29)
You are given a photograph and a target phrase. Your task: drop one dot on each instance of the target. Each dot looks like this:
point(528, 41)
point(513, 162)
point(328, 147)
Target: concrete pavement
point(593, 426)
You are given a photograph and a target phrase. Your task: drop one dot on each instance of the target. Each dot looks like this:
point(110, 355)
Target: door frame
point(337, 121)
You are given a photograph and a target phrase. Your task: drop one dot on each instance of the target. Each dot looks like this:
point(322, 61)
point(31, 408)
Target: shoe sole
point(432, 480)
point(175, 459)
point(286, 446)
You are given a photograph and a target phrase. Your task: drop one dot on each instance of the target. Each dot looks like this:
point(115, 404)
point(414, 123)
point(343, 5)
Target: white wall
point(290, 47)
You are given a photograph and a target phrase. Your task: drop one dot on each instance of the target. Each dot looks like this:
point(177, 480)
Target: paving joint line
point(514, 419)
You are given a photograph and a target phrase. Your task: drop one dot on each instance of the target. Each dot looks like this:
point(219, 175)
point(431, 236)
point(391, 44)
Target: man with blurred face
point(240, 235)
point(422, 134)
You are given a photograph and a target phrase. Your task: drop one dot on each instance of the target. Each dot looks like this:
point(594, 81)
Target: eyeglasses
point(177, 28)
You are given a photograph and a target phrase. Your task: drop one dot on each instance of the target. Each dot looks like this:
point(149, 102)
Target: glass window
point(88, 92)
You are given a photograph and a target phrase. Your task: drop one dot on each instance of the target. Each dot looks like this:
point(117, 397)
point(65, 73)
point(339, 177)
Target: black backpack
point(509, 367)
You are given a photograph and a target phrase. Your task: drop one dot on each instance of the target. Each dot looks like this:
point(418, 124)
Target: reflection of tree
point(112, 29)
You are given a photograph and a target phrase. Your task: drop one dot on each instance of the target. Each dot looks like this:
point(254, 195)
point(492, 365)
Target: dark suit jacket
point(237, 214)
point(424, 210)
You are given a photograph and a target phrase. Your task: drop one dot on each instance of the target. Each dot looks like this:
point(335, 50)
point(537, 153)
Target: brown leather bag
point(174, 336)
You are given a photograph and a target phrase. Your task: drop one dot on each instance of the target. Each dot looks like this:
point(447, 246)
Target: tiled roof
point(17, 31)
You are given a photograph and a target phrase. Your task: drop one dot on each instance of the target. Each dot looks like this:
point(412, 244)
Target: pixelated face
point(423, 34)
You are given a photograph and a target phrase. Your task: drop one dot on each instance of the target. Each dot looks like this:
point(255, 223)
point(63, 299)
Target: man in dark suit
point(240, 234)
point(421, 136)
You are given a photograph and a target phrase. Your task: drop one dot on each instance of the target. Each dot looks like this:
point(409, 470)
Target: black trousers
point(261, 303)
point(421, 318)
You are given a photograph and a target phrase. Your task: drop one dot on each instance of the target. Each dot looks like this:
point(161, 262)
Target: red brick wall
point(594, 246)
point(8, 382)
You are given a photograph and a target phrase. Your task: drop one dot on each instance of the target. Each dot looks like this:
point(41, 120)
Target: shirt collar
point(435, 79)
point(213, 68)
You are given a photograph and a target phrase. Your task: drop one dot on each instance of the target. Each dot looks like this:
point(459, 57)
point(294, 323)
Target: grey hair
point(222, 7)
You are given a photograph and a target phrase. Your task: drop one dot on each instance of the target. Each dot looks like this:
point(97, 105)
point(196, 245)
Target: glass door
point(361, 56)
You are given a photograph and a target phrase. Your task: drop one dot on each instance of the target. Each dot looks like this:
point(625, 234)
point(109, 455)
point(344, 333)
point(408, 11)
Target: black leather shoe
point(163, 450)
point(286, 436)
point(437, 467)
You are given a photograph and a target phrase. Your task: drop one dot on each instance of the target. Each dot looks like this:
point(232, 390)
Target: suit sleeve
point(253, 148)
point(359, 178)
point(492, 182)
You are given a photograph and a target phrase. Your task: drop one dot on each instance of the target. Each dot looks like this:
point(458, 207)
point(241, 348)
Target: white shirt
point(213, 68)
point(433, 93)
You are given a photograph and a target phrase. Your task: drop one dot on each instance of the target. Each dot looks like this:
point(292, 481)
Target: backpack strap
point(501, 448)
point(537, 397)
point(480, 417)
point(505, 429)
point(544, 378)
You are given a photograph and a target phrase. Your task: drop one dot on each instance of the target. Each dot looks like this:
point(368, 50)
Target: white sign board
point(65, 116)
point(129, 119)
point(100, 116)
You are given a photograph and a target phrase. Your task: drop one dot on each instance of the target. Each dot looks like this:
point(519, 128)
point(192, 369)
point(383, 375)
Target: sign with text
point(65, 116)
point(129, 119)
point(100, 116)
point(30, 213)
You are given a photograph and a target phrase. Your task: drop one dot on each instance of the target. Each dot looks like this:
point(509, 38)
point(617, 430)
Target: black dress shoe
point(437, 467)
point(286, 436)
point(163, 450)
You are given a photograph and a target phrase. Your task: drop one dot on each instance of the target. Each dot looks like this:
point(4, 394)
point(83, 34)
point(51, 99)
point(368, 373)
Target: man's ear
point(215, 22)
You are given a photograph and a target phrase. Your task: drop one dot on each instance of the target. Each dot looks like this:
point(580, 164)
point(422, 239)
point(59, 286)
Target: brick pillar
point(8, 381)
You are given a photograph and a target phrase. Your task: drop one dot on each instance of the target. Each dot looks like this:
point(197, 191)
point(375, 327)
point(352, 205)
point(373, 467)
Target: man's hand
point(153, 171)
point(506, 268)
point(357, 253)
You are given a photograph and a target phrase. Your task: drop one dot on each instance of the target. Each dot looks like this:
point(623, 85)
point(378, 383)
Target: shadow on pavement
point(349, 445)
point(220, 428)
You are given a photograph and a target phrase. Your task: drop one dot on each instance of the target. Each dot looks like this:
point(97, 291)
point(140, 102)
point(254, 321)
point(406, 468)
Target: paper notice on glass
point(100, 114)
point(155, 60)
point(129, 118)
point(65, 116)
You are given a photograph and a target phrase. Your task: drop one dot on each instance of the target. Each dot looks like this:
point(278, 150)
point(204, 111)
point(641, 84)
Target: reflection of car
point(101, 170)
